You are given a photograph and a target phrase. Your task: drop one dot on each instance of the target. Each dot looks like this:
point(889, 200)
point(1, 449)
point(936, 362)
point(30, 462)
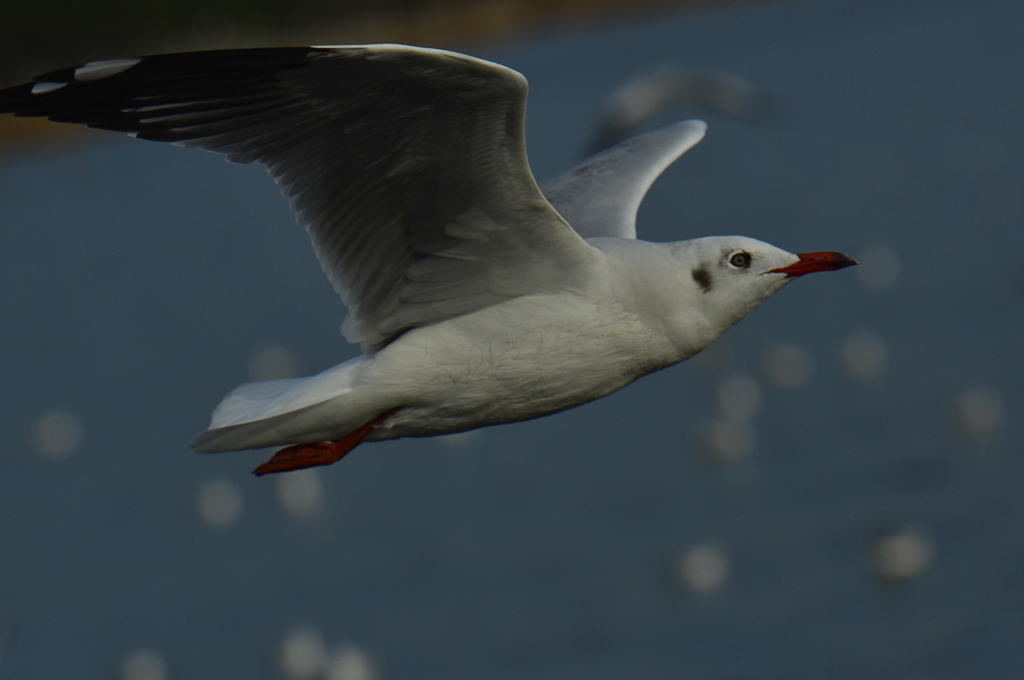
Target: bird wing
point(406, 165)
point(601, 195)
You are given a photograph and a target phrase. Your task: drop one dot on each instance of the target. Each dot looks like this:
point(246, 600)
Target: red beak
point(816, 262)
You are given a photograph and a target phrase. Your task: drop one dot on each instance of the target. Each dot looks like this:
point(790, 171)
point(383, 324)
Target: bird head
point(734, 274)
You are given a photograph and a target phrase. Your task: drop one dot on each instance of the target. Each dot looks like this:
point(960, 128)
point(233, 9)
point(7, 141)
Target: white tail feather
point(250, 402)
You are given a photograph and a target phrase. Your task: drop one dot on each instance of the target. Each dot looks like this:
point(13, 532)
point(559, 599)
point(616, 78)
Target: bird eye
point(740, 260)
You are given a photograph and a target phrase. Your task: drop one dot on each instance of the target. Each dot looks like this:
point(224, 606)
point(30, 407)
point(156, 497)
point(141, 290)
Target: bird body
point(637, 311)
point(477, 298)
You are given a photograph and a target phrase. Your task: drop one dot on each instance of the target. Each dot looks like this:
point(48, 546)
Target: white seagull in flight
point(477, 298)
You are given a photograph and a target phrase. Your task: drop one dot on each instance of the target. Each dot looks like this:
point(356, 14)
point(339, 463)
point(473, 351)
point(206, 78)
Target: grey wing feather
point(601, 195)
point(406, 165)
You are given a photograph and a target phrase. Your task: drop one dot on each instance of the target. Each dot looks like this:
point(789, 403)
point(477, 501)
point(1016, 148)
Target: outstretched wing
point(601, 195)
point(406, 165)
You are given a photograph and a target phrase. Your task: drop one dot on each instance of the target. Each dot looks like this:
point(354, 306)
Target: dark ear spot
point(703, 279)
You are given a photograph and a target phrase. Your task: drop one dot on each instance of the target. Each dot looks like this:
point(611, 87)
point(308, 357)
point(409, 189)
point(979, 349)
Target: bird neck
point(648, 280)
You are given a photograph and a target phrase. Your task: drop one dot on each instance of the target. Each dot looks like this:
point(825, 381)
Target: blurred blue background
point(833, 490)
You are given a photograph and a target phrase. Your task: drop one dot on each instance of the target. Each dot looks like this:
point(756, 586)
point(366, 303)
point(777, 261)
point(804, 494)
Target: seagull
point(477, 298)
point(649, 95)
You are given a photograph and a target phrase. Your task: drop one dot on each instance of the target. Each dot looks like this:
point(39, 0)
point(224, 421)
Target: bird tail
point(294, 410)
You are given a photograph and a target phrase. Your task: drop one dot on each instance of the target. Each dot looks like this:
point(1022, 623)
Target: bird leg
point(322, 453)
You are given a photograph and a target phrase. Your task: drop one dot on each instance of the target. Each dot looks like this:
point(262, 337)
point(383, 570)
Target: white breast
point(492, 367)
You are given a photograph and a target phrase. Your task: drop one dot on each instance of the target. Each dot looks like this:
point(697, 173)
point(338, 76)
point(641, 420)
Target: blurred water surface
point(831, 491)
